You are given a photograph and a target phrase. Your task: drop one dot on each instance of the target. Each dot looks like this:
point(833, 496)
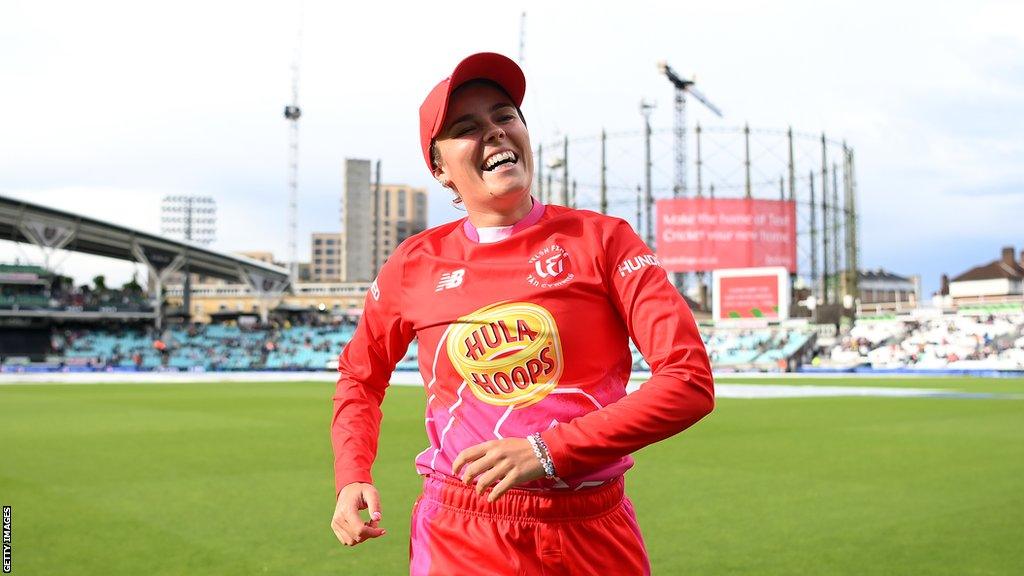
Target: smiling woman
point(479, 154)
point(523, 313)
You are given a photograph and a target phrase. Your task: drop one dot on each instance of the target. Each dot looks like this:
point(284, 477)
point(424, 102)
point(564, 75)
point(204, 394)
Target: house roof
point(995, 270)
point(881, 274)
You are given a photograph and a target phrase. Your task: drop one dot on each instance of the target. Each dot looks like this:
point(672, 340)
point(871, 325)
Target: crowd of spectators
point(29, 287)
point(316, 345)
point(128, 298)
point(930, 341)
point(230, 346)
point(921, 341)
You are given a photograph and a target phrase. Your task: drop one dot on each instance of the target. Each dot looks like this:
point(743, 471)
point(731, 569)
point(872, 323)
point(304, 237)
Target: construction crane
point(682, 86)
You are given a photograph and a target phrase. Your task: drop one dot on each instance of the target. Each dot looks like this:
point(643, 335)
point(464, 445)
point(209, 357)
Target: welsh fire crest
point(550, 267)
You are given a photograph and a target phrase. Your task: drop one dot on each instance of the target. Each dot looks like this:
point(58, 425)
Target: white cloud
point(127, 101)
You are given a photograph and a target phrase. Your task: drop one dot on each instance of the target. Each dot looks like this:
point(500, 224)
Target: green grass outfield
point(236, 478)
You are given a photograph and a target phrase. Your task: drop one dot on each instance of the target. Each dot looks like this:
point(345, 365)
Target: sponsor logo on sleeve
point(375, 290)
point(508, 353)
point(551, 268)
point(630, 265)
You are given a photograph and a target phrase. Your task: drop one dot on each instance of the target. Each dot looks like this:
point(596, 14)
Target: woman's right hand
point(348, 524)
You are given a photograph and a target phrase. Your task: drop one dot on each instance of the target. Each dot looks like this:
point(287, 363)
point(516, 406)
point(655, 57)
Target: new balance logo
point(450, 280)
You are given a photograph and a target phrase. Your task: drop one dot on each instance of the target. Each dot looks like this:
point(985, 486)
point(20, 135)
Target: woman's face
point(485, 148)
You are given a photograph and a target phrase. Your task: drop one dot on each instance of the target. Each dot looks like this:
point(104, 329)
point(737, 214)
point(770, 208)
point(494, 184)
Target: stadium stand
point(768, 349)
point(55, 326)
point(990, 338)
point(26, 288)
point(214, 347)
point(229, 347)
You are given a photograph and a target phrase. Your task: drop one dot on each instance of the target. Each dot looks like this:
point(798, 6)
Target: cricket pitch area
point(786, 476)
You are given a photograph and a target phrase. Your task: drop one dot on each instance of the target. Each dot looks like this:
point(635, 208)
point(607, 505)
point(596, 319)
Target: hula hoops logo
point(509, 353)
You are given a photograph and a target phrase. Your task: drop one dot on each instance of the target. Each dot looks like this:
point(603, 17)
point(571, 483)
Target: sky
point(107, 107)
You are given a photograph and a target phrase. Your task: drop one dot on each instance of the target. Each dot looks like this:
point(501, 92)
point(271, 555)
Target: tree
point(100, 282)
point(132, 286)
point(61, 284)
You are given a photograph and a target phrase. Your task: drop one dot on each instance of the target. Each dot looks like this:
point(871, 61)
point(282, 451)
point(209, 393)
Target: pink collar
point(530, 219)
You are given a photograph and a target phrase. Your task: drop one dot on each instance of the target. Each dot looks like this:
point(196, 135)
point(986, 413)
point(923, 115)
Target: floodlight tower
point(292, 113)
point(645, 110)
point(191, 218)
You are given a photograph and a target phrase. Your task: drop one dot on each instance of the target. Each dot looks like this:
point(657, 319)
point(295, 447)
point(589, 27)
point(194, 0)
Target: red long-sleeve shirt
point(526, 334)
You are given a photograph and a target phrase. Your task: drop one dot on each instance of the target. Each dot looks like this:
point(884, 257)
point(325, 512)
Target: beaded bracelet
point(540, 449)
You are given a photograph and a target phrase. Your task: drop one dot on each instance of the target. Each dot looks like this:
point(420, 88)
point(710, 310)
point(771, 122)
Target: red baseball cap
point(481, 66)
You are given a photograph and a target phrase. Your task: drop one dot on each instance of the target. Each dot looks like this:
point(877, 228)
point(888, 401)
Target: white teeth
point(501, 156)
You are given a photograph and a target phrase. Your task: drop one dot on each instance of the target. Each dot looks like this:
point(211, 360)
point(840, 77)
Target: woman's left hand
point(508, 462)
